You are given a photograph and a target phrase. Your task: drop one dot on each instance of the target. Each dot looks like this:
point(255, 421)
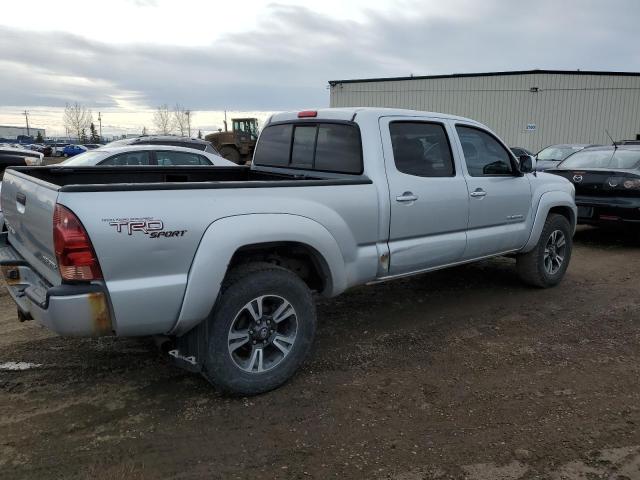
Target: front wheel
point(260, 331)
point(546, 264)
point(231, 154)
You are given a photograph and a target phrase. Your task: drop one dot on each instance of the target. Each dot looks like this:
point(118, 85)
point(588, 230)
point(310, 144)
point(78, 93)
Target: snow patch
point(18, 365)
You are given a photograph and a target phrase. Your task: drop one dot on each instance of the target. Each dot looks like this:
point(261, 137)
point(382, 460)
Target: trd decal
point(130, 226)
point(172, 233)
point(152, 227)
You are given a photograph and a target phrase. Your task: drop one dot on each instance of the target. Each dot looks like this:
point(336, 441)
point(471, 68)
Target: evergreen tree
point(83, 136)
point(200, 134)
point(94, 137)
point(39, 138)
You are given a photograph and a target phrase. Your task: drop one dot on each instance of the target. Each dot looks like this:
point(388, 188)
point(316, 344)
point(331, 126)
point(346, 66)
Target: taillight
point(632, 184)
point(75, 255)
point(308, 114)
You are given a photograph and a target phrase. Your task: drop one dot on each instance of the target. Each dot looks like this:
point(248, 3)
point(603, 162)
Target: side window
point(273, 147)
point(129, 158)
point(483, 154)
point(167, 158)
point(304, 142)
point(338, 149)
point(421, 149)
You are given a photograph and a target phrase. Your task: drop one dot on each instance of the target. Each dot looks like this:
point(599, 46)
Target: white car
point(141, 155)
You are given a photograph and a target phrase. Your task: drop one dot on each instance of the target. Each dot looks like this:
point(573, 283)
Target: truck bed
point(125, 178)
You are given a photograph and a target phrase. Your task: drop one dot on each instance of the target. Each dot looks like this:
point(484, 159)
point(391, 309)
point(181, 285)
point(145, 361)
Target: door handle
point(478, 193)
point(406, 197)
point(21, 202)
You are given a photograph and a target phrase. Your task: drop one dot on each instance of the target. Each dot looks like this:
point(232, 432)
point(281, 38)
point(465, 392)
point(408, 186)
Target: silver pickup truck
point(224, 261)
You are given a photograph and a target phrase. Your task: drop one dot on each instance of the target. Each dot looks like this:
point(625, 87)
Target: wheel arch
point(558, 202)
point(283, 239)
point(301, 258)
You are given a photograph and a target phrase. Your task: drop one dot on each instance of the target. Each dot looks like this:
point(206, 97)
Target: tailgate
point(28, 205)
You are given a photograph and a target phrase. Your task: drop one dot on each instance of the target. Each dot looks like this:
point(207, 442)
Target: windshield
point(557, 153)
point(84, 159)
point(613, 159)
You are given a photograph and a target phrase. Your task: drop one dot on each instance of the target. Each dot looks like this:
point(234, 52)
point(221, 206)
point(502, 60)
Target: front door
point(499, 196)
point(428, 196)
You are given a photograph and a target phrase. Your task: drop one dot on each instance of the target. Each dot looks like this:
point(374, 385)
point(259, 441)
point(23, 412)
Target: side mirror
point(527, 163)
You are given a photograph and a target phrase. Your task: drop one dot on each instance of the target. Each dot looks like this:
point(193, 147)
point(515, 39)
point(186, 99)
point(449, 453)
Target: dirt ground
point(463, 373)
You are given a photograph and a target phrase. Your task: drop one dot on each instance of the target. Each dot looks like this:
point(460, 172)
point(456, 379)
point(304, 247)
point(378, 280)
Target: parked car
point(171, 140)
point(146, 155)
point(12, 156)
point(607, 183)
point(58, 149)
point(71, 150)
point(551, 156)
point(44, 149)
point(223, 260)
point(520, 151)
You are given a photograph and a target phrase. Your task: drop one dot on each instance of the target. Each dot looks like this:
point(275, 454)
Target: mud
point(463, 373)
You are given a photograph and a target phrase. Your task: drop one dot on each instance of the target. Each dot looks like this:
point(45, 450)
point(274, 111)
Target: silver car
point(142, 155)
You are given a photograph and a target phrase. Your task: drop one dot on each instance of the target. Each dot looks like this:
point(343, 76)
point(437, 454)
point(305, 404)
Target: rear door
point(499, 196)
point(428, 195)
point(28, 207)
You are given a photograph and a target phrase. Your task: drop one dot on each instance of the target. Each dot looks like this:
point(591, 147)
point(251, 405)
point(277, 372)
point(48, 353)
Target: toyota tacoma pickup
point(225, 261)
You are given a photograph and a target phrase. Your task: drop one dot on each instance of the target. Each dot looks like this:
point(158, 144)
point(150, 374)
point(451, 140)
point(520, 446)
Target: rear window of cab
point(320, 146)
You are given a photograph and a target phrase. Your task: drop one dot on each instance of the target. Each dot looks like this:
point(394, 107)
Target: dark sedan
point(607, 182)
point(551, 156)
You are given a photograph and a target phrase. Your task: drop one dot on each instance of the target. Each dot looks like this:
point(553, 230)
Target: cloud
point(144, 3)
point(286, 61)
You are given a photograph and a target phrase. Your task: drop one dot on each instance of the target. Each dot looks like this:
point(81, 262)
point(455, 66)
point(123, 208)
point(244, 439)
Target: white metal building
point(530, 109)
point(12, 133)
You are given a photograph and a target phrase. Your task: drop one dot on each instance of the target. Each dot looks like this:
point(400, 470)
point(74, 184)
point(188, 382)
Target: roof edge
point(489, 74)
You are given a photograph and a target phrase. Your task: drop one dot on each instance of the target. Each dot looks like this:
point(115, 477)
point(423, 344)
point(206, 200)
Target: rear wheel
point(230, 153)
point(260, 331)
point(546, 264)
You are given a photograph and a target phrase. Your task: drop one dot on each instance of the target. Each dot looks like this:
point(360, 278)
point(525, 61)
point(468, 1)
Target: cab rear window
point(327, 147)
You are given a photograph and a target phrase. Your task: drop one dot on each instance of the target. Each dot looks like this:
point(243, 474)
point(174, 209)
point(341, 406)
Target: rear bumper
point(74, 310)
point(608, 210)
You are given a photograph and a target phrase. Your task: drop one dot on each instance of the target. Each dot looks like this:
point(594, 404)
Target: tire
point(533, 267)
point(230, 153)
point(234, 365)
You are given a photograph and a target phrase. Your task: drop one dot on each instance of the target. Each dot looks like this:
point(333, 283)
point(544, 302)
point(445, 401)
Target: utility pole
point(225, 120)
point(26, 116)
point(100, 122)
point(188, 114)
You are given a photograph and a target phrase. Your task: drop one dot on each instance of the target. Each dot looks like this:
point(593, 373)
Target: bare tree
point(182, 120)
point(77, 119)
point(162, 120)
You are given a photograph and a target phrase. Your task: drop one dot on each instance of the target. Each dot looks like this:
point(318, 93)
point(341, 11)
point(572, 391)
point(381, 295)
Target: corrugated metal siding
point(566, 109)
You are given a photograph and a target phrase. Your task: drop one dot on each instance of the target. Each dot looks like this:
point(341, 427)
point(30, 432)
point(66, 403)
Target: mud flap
point(190, 349)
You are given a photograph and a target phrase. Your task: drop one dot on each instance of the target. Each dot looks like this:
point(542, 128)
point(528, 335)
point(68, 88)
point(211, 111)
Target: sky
point(123, 58)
